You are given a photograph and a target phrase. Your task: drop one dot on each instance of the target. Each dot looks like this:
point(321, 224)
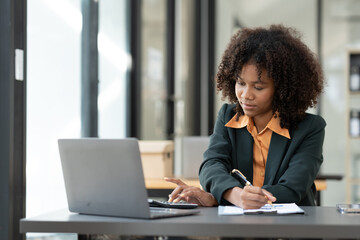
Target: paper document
point(284, 208)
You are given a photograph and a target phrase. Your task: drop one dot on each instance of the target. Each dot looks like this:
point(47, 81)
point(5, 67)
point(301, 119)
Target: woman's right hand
point(249, 197)
point(190, 194)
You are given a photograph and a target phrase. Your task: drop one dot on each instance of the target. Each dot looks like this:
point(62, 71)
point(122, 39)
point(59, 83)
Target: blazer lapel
point(244, 152)
point(277, 148)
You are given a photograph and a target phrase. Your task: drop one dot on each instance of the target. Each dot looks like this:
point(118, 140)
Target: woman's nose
point(246, 93)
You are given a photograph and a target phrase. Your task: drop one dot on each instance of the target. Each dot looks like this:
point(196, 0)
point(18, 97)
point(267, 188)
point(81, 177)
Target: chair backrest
point(193, 148)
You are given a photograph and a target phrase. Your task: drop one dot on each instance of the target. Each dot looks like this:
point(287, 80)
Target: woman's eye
point(259, 88)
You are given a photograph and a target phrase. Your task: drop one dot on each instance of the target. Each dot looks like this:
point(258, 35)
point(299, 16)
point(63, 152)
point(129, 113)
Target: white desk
point(318, 222)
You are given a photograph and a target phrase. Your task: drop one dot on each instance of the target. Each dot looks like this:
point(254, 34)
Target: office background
point(148, 74)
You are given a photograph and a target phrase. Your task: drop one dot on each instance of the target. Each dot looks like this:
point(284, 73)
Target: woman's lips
point(247, 106)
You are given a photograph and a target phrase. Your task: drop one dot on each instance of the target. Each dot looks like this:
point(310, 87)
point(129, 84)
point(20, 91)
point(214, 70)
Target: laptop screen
point(105, 177)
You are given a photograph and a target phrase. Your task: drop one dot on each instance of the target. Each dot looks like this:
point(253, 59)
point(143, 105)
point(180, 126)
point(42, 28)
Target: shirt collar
point(273, 124)
point(242, 122)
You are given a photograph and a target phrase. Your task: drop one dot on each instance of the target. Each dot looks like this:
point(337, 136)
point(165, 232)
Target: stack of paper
point(285, 208)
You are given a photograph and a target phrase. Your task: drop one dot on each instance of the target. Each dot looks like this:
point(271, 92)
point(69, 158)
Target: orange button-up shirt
point(261, 142)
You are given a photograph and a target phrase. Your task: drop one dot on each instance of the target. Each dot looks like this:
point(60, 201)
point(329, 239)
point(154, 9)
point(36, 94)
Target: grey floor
point(52, 237)
point(112, 237)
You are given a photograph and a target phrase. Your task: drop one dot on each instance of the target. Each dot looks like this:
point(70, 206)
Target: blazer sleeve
point(296, 175)
point(214, 173)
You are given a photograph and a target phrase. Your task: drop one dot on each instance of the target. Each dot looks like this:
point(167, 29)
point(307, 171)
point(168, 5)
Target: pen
point(239, 176)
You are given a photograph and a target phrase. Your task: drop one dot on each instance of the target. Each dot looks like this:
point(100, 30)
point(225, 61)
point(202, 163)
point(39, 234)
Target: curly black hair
point(294, 68)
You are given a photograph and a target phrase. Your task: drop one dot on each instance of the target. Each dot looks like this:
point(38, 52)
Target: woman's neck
point(260, 122)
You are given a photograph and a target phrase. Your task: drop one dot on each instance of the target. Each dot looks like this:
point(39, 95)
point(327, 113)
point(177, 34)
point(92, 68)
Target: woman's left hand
point(190, 194)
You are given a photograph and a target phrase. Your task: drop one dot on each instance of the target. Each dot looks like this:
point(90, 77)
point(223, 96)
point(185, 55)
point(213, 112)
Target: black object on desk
point(166, 204)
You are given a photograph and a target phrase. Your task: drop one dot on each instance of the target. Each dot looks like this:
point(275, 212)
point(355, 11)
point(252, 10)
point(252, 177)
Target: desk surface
point(317, 222)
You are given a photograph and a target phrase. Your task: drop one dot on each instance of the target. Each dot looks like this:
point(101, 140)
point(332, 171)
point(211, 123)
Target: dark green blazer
point(291, 166)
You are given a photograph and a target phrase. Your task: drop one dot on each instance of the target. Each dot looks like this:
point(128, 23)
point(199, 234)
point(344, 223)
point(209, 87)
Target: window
point(54, 89)
point(53, 97)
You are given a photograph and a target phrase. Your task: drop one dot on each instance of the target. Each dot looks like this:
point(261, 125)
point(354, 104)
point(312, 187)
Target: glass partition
point(153, 70)
point(53, 97)
point(54, 90)
point(114, 62)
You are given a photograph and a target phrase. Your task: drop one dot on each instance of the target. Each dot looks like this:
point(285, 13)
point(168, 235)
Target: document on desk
point(275, 209)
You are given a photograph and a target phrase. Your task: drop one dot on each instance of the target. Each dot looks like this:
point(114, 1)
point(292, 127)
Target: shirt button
point(262, 174)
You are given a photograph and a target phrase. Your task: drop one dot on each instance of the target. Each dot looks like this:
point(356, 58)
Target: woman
point(271, 78)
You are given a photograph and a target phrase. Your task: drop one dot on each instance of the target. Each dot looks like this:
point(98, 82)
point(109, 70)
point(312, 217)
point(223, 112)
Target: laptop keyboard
point(166, 204)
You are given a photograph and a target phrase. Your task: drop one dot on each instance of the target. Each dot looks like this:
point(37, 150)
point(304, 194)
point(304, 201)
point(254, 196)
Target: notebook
point(277, 209)
point(105, 177)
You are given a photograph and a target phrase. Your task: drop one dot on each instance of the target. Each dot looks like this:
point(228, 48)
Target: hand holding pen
point(239, 176)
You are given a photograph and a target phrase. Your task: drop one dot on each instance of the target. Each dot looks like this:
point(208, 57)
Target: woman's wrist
point(232, 195)
point(213, 201)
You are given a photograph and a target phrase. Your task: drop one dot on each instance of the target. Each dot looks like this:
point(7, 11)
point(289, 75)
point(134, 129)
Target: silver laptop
point(105, 177)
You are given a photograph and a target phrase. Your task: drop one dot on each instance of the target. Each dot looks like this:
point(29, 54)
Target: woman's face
point(255, 95)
